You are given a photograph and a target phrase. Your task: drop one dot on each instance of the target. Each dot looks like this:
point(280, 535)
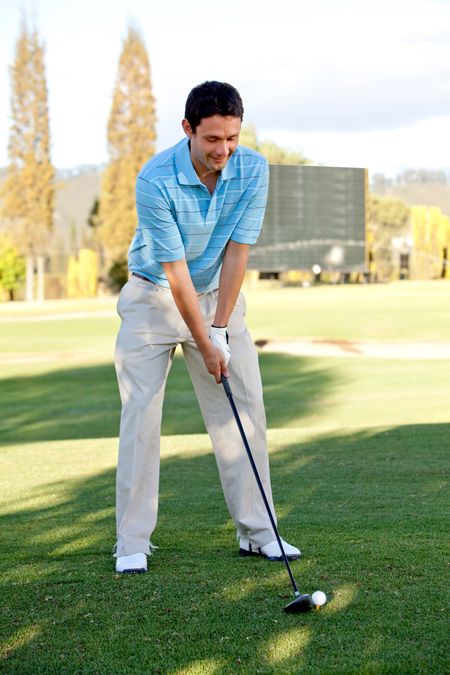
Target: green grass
point(42, 402)
point(374, 312)
point(366, 507)
point(359, 455)
point(93, 336)
point(417, 311)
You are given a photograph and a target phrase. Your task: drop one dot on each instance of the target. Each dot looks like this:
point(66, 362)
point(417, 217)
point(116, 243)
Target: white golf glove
point(219, 338)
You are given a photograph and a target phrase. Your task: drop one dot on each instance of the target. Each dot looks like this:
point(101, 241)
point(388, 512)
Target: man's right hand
point(215, 363)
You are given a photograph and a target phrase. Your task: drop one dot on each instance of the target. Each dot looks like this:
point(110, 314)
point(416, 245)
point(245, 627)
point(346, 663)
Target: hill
point(75, 196)
point(76, 190)
point(419, 193)
point(429, 188)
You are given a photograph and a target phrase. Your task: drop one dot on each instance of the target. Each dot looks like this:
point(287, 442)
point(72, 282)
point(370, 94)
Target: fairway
point(359, 453)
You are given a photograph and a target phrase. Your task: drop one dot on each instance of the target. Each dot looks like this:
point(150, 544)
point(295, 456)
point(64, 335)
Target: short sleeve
point(249, 225)
point(157, 224)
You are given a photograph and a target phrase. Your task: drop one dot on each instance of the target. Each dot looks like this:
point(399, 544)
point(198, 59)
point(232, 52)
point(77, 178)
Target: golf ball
point(318, 598)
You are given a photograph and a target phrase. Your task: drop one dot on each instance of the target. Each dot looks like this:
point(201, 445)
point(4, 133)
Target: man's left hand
point(219, 338)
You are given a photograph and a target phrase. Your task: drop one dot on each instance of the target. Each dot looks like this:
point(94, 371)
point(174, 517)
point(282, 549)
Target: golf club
point(302, 603)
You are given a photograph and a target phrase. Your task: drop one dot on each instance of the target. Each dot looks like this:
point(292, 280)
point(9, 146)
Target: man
point(200, 205)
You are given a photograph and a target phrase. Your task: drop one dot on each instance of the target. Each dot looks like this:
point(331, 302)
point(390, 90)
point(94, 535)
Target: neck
point(202, 171)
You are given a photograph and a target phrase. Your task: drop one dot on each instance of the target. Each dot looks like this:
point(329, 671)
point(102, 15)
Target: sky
point(362, 83)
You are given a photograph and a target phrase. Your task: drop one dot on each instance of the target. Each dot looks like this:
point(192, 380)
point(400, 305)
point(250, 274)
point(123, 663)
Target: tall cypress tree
point(28, 191)
point(131, 142)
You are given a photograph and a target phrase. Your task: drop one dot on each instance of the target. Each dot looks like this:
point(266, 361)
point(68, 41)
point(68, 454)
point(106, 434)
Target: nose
point(222, 149)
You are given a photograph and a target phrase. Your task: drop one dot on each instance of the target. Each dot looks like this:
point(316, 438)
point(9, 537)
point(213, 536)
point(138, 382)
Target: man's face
point(214, 141)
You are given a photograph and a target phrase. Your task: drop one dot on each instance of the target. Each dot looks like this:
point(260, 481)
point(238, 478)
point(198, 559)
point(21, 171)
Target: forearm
point(231, 278)
point(186, 300)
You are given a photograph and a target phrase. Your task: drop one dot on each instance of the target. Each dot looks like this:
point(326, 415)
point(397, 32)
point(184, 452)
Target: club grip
point(226, 386)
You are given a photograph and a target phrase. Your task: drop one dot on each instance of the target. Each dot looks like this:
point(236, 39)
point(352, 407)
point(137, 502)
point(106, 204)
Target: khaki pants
point(151, 329)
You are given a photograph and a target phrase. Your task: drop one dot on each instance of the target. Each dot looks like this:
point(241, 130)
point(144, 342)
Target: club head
point(302, 603)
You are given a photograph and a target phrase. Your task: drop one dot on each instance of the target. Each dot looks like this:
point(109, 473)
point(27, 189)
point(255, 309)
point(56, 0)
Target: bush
point(12, 267)
point(118, 275)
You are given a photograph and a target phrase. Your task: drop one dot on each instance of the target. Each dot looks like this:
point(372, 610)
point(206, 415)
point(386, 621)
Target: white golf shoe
point(271, 551)
point(131, 564)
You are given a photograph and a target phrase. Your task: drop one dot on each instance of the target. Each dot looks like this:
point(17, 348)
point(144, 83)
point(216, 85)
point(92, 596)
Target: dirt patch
point(352, 349)
point(340, 348)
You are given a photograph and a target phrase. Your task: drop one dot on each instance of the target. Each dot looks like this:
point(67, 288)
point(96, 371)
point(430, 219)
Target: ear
point(187, 128)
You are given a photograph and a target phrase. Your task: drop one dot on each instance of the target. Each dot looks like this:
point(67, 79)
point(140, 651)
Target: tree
point(249, 136)
point(28, 191)
point(12, 266)
point(131, 142)
point(431, 236)
point(82, 274)
point(271, 151)
point(388, 218)
point(389, 214)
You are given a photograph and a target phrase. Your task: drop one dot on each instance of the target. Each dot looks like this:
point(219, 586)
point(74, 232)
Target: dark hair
point(212, 98)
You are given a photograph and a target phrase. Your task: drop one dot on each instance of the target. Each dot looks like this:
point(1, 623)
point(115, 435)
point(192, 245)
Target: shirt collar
point(185, 169)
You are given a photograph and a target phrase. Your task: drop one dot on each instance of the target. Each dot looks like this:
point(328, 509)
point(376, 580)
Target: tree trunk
point(40, 278)
point(29, 279)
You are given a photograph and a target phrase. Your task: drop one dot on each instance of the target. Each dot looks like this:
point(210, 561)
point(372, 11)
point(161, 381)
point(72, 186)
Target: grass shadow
point(366, 508)
point(83, 402)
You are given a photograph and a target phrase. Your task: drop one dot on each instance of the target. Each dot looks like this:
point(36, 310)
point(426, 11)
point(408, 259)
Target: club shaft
point(229, 394)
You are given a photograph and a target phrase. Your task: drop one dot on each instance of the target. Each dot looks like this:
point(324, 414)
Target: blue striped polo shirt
point(178, 217)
